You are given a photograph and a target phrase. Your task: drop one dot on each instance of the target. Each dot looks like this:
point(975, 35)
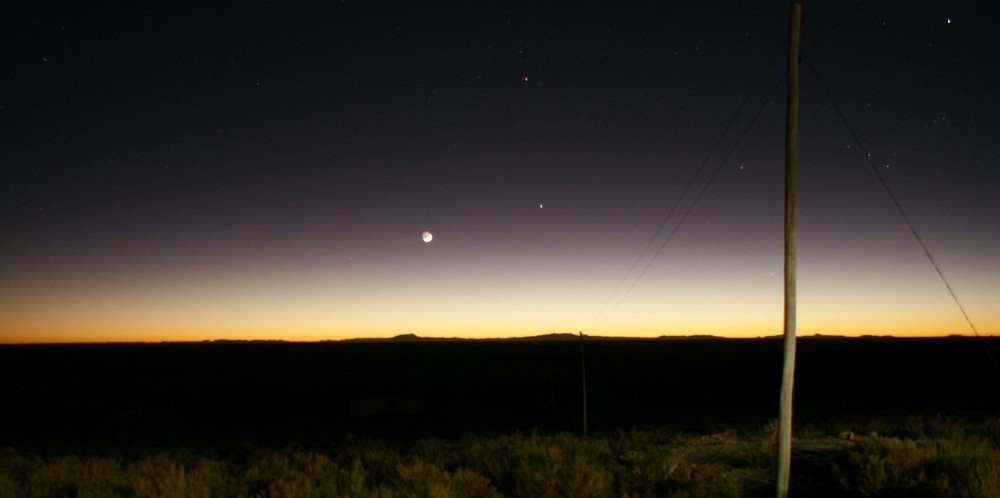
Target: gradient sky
point(201, 170)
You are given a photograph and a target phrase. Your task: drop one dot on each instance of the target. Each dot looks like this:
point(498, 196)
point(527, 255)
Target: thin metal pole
point(788, 369)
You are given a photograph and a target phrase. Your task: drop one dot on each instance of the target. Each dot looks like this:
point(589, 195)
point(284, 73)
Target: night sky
point(199, 171)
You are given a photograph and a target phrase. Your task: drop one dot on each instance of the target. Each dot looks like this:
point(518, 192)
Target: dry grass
point(936, 457)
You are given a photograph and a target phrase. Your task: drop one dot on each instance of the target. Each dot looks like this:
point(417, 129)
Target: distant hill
point(556, 336)
point(567, 336)
point(404, 338)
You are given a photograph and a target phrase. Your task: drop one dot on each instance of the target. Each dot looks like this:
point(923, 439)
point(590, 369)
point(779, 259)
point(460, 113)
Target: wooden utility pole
point(788, 369)
point(583, 383)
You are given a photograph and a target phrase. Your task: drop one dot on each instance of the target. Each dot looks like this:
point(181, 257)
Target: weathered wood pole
point(583, 384)
point(788, 369)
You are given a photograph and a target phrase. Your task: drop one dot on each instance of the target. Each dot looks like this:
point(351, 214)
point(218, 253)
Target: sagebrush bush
point(543, 466)
point(942, 459)
point(163, 476)
point(420, 479)
point(635, 465)
point(71, 476)
point(762, 452)
point(646, 469)
point(14, 471)
point(280, 476)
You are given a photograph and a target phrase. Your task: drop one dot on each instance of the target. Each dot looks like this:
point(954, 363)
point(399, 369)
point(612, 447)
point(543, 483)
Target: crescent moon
point(427, 236)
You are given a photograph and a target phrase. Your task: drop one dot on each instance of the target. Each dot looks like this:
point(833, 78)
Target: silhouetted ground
point(134, 397)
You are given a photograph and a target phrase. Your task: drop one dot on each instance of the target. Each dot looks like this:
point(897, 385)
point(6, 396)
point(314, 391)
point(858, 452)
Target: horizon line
point(555, 336)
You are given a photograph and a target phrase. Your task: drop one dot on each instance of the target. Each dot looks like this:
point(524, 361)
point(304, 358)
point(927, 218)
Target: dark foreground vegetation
point(875, 417)
point(920, 458)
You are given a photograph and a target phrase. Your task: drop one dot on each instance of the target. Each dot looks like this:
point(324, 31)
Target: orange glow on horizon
point(304, 307)
point(39, 333)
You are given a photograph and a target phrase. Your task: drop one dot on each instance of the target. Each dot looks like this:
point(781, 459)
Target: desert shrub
point(315, 475)
point(651, 473)
point(631, 464)
point(70, 476)
point(762, 451)
point(440, 451)
point(543, 466)
point(420, 479)
point(281, 476)
point(471, 484)
point(708, 481)
point(990, 430)
point(647, 467)
point(378, 461)
point(536, 466)
point(957, 466)
point(9, 486)
point(14, 471)
point(164, 477)
point(644, 468)
point(942, 428)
